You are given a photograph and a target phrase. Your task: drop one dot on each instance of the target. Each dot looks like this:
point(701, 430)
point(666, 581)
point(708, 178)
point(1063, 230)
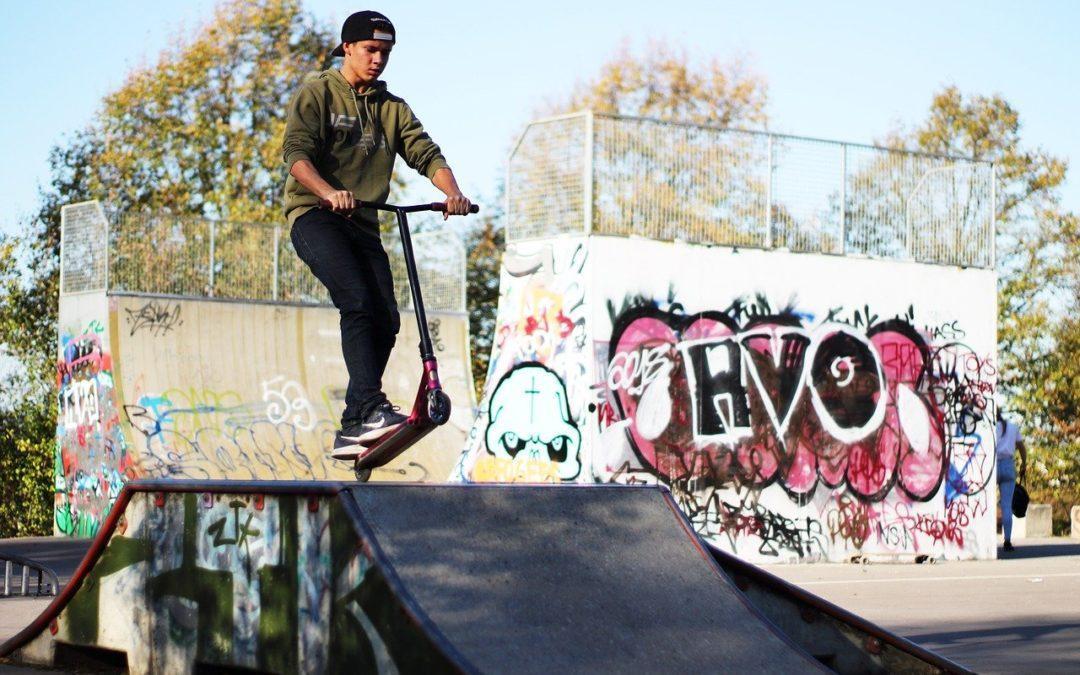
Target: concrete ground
point(1020, 613)
point(61, 555)
point(1017, 614)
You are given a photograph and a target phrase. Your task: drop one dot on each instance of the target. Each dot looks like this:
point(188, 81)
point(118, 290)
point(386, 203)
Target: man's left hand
point(457, 205)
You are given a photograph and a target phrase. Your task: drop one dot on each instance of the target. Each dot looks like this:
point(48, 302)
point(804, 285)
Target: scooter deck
point(388, 447)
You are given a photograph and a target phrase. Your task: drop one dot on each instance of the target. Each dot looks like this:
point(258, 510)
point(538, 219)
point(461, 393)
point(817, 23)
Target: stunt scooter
point(431, 407)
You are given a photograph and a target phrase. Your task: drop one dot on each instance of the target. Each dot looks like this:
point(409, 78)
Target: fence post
point(464, 301)
point(993, 215)
point(277, 246)
point(843, 199)
point(507, 216)
point(108, 256)
point(63, 237)
point(7, 578)
point(587, 173)
point(768, 196)
point(25, 580)
point(213, 234)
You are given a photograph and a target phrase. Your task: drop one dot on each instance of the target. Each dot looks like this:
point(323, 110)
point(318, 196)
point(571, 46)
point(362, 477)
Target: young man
point(341, 137)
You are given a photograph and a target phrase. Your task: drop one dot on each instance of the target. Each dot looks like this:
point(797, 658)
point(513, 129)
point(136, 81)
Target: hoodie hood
point(352, 139)
point(334, 76)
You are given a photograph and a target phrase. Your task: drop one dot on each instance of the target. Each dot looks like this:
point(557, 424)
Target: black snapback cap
point(366, 25)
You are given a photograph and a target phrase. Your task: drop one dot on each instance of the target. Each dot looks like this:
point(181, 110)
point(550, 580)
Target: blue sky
point(475, 71)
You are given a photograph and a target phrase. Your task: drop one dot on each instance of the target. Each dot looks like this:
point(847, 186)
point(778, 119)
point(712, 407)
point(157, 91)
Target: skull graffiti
point(529, 419)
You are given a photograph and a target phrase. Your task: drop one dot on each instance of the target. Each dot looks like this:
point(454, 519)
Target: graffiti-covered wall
point(169, 388)
point(799, 406)
point(92, 460)
point(192, 582)
point(541, 372)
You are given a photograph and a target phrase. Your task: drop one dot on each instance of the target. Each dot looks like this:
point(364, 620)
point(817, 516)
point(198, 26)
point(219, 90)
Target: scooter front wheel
point(438, 406)
point(362, 475)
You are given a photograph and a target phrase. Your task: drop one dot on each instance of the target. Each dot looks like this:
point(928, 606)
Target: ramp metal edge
point(798, 594)
point(249, 301)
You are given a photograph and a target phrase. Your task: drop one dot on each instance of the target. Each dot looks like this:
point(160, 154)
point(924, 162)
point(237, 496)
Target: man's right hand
point(341, 201)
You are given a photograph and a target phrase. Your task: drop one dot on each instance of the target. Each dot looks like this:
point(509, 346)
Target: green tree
point(27, 443)
point(197, 133)
point(667, 84)
point(651, 157)
point(655, 81)
point(1038, 262)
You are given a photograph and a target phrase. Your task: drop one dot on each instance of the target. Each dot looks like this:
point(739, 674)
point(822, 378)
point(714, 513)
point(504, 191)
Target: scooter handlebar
point(433, 206)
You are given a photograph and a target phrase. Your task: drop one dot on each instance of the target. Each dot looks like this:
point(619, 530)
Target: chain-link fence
point(197, 257)
point(83, 234)
point(622, 176)
point(440, 264)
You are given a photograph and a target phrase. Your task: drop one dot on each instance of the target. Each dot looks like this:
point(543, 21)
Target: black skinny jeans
point(351, 262)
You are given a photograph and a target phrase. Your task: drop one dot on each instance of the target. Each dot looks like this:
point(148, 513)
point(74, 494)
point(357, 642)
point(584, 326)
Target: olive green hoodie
point(352, 139)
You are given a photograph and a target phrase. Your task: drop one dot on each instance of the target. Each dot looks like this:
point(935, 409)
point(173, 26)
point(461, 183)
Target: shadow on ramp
point(334, 577)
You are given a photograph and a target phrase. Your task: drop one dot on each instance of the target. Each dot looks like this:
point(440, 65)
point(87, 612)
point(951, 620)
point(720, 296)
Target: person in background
point(1009, 441)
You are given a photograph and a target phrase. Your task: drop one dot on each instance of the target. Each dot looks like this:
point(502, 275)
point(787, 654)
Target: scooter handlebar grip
point(441, 207)
point(325, 204)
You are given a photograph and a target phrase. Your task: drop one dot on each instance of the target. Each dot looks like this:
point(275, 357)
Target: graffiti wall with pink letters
point(800, 407)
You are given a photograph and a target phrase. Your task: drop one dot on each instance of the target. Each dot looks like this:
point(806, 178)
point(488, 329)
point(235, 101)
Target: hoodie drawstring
point(369, 119)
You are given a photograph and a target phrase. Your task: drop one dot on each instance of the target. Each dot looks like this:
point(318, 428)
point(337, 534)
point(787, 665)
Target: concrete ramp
point(315, 577)
point(537, 579)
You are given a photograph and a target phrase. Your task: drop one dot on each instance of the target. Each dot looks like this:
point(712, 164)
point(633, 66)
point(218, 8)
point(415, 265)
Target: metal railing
point(47, 581)
point(611, 175)
point(188, 256)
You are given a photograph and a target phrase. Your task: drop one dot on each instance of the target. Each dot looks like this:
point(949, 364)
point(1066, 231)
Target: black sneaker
point(1008, 546)
point(382, 419)
point(352, 441)
point(347, 444)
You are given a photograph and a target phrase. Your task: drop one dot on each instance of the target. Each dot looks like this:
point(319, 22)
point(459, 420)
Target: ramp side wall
point(178, 388)
point(800, 407)
point(275, 583)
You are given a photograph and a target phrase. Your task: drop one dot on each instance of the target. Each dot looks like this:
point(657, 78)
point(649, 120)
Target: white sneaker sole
point(348, 452)
point(370, 437)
